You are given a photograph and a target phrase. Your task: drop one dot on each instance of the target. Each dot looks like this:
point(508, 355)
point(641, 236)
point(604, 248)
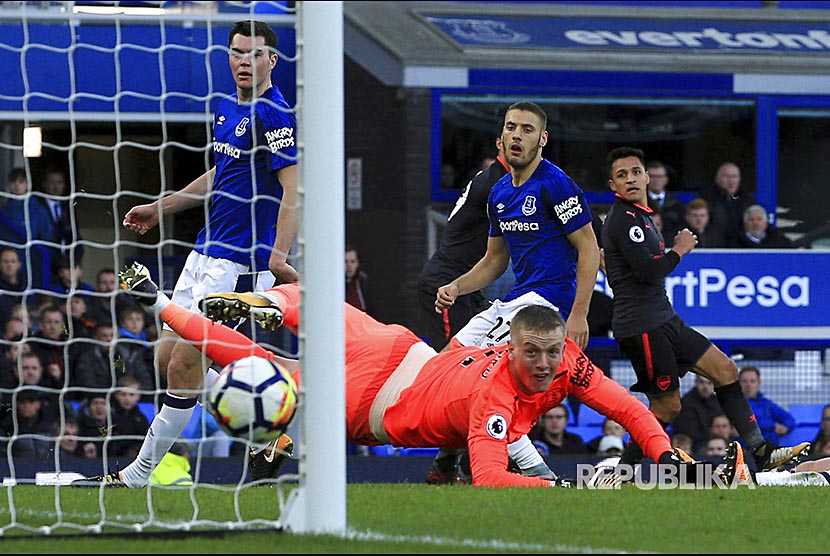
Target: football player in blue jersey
point(541, 222)
point(251, 224)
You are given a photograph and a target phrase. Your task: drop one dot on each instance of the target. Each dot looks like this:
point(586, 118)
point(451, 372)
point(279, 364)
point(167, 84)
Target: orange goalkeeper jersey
point(467, 397)
point(460, 398)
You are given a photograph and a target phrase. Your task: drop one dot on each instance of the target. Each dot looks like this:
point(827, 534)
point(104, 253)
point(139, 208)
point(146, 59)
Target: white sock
point(270, 296)
point(166, 427)
point(162, 301)
point(210, 377)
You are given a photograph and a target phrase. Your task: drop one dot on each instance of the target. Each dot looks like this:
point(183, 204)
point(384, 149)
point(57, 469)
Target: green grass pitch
point(419, 518)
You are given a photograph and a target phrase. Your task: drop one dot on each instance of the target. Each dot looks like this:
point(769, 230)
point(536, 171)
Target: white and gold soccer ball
point(254, 398)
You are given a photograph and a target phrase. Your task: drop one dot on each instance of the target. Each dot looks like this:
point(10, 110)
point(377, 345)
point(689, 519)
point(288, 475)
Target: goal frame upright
point(318, 505)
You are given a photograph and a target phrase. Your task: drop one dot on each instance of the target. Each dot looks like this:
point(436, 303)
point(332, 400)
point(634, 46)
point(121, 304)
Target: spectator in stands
point(68, 445)
point(610, 445)
point(722, 427)
point(774, 420)
point(64, 225)
point(70, 277)
point(37, 304)
point(550, 434)
point(609, 427)
point(94, 368)
point(31, 420)
point(49, 343)
point(757, 233)
point(105, 302)
point(31, 368)
point(32, 374)
point(657, 218)
point(14, 328)
point(821, 443)
point(81, 326)
point(127, 420)
point(134, 351)
point(715, 447)
point(357, 293)
point(9, 355)
point(19, 311)
point(697, 220)
point(23, 213)
point(698, 406)
point(682, 441)
point(94, 424)
point(663, 202)
point(727, 202)
point(12, 282)
point(8, 363)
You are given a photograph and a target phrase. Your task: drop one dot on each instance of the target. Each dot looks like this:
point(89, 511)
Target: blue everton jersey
point(250, 143)
point(535, 220)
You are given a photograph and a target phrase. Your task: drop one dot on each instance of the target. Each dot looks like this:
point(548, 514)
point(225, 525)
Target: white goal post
point(317, 504)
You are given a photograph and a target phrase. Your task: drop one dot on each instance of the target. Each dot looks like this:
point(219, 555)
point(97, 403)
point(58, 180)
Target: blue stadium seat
point(587, 433)
point(418, 452)
point(801, 433)
point(589, 418)
point(148, 409)
point(384, 450)
point(806, 413)
point(572, 417)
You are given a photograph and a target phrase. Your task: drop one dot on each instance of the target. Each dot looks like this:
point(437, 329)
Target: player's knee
point(176, 366)
point(725, 373)
point(162, 360)
point(666, 409)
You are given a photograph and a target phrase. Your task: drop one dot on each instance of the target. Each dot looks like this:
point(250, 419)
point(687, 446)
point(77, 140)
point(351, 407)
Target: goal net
point(109, 105)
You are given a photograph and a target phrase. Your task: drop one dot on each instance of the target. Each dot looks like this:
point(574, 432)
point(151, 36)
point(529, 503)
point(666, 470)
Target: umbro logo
point(243, 125)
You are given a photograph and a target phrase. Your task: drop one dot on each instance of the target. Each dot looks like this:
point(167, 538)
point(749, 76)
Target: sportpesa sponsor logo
point(567, 209)
point(710, 287)
point(227, 149)
point(279, 139)
point(518, 226)
point(697, 289)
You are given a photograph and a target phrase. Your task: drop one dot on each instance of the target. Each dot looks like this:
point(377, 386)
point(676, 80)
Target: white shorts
point(491, 327)
point(202, 275)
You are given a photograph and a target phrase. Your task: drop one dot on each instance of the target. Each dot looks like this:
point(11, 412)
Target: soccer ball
point(253, 398)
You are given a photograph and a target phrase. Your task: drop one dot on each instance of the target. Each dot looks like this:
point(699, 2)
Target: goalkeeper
point(400, 391)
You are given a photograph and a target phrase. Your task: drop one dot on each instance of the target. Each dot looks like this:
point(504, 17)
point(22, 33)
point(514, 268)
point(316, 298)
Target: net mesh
point(124, 98)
